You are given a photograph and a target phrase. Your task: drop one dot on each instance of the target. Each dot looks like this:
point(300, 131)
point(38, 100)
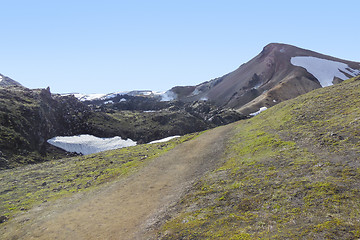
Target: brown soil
point(131, 208)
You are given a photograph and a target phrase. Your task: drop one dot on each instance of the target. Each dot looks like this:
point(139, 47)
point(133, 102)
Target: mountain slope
point(6, 81)
point(292, 172)
point(275, 75)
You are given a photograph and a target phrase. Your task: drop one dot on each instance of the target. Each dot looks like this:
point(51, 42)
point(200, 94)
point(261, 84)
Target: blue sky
point(106, 46)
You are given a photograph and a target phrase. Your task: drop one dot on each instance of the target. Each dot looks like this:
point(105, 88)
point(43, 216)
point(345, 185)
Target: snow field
point(324, 70)
point(88, 144)
point(258, 112)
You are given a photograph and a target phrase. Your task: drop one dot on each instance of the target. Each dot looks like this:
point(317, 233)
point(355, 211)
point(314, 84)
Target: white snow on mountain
point(168, 96)
point(163, 140)
point(89, 97)
point(164, 96)
point(1, 78)
point(88, 144)
point(258, 112)
point(324, 70)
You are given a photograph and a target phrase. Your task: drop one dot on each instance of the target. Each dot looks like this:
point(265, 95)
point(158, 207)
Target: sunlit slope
point(292, 172)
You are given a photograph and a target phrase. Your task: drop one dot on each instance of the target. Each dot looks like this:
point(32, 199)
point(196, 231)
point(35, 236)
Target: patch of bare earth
point(130, 208)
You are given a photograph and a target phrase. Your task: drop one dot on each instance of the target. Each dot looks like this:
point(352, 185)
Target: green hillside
point(292, 172)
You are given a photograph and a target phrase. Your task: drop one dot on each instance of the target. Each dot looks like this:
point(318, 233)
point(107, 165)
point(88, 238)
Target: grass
point(24, 187)
point(292, 172)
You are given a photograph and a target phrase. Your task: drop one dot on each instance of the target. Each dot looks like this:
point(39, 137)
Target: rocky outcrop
point(29, 117)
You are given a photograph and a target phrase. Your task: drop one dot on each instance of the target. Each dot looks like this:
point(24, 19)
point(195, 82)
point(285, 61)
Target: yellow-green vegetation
point(23, 187)
point(292, 172)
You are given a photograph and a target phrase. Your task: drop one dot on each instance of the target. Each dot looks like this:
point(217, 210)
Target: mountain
point(6, 81)
point(280, 72)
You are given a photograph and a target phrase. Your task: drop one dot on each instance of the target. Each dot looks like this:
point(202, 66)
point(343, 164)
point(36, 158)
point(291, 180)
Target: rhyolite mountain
point(278, 73)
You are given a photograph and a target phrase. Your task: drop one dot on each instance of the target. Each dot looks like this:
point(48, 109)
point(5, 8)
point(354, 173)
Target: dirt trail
point(129, 208)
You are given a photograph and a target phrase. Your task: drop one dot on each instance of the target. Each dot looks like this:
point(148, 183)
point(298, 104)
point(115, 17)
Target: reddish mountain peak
point(265, 80)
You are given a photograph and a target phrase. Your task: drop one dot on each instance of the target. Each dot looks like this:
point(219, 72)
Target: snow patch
point(324, 70)
point(122, 100)
point(168, 96)
point(195, 92)
point(274, 100)
point(89, 97)
point(110, 101)
point(1, 78)
point(260, 110)
point(88, 144)
point(164, 139)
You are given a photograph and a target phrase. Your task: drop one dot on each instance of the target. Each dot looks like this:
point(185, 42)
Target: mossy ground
point(292, 172)
point(22, 188)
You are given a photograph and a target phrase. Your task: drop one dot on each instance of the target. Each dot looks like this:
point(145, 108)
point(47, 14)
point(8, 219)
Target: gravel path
point(132, 207)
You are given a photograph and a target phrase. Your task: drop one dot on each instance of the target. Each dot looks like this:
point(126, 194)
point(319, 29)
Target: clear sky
point(107, 46)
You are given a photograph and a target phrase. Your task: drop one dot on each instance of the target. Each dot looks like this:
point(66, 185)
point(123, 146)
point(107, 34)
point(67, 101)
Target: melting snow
point(260, 110)
point(168, 96)
point(163, 140)
point(87, 144)
point(195, 92)
point(324, 70)
point(88, 97)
